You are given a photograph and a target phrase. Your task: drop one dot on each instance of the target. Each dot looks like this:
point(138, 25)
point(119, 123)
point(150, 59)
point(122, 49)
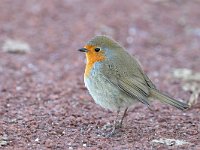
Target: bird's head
point(99, 49)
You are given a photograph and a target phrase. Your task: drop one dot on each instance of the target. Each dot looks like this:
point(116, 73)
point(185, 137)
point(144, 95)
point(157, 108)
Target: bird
point(115, 79)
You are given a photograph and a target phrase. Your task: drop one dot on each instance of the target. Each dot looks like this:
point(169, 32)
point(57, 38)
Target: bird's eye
point(97, 49)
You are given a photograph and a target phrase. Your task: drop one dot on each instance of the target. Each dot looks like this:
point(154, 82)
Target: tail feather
point(168, 100)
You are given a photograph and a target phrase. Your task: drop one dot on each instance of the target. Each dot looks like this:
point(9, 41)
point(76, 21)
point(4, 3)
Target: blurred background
point(41, 71)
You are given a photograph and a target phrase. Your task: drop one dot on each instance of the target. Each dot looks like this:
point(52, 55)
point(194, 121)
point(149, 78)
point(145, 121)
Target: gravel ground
point(43, 101)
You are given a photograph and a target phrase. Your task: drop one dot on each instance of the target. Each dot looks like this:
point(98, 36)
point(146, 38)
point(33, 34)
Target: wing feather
point(131, 87)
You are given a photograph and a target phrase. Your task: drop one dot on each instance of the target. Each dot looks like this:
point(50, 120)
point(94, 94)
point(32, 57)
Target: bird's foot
point(117, 125)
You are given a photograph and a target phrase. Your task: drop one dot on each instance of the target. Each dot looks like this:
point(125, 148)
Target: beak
point(83, 50)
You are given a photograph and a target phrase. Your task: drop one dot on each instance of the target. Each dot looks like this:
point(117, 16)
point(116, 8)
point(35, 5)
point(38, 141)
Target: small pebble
point(16, 46)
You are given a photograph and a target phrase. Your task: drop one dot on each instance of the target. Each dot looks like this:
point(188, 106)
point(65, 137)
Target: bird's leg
point(118, 124)
point(124, 115)
point(115, 126)
point(116, 120)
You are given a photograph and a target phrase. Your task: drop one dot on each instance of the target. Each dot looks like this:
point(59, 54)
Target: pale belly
point(106, 94)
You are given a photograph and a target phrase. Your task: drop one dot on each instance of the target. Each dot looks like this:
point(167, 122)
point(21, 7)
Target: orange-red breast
point(115, 80)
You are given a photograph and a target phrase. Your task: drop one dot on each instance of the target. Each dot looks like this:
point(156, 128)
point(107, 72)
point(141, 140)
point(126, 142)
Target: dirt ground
point(43, 101)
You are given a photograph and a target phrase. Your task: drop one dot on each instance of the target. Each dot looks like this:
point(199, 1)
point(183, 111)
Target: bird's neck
point(91, 60)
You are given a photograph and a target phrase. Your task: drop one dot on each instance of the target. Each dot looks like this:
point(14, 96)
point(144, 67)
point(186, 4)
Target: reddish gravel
point(43, 101)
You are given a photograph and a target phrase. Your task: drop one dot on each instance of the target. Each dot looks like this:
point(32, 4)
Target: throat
point(92, 58)
point(88, 68)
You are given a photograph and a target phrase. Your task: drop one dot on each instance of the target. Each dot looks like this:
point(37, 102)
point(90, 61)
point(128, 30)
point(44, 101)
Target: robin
point(115, 79)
